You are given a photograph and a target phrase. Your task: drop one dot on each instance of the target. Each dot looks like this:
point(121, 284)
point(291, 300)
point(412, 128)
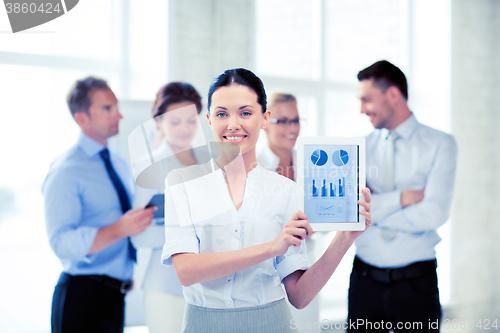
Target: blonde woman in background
point(284, 127)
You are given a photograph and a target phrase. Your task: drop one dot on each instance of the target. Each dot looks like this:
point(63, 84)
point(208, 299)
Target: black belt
point(388, 275)
point(122, 286)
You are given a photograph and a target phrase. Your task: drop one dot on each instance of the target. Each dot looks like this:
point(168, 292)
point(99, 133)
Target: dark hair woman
point(236, 235)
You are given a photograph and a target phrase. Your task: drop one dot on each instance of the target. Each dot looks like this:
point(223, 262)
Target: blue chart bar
point(342, 187)
point(315, 189)
point(333, 191)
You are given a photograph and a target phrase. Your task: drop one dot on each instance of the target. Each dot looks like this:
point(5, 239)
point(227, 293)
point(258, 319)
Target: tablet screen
point(331, 183)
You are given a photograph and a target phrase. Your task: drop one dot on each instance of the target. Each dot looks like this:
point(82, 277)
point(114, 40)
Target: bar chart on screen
point(336, 188)
point(329, 178)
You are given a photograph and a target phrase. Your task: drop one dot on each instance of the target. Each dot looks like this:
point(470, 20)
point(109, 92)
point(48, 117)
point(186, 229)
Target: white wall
point(476, 119)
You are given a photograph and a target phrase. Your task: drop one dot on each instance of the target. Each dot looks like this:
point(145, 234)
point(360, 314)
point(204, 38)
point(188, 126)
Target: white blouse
point(158, 277)
point(205, 220)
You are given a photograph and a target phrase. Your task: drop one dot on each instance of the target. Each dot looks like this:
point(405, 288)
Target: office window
point(293, 54)
point(358, 33)
point(343, 116)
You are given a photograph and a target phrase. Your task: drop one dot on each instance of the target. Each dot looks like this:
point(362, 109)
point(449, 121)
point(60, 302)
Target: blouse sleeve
point(296, 257)
point(180, 234)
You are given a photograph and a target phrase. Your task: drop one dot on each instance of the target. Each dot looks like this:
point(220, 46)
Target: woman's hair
point(243, 77)
point(173, 93)
point(280, 97)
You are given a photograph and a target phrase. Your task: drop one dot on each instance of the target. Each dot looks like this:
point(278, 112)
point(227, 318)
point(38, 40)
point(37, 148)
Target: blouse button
point(235, 230)
point(228, 280)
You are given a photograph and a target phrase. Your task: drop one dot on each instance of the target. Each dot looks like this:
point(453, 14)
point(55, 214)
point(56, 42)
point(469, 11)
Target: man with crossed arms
point(411, 172)
point(88, 218)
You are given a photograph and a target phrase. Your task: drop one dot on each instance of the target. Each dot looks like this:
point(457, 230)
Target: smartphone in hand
point(157, 200)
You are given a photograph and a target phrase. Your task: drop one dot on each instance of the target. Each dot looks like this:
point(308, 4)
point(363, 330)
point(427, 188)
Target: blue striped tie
point(122, 194)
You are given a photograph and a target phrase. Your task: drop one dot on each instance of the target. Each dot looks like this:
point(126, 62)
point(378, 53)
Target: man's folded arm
point(433, 210)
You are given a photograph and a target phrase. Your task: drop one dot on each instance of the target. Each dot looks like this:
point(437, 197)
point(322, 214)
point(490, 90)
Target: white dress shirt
point(158, 277)
point(270, 161)
point(424, 158)
point(206, 221)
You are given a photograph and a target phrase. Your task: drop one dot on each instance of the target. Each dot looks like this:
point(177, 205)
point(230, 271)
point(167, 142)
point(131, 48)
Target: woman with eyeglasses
point(284, 127)
point(235, 235)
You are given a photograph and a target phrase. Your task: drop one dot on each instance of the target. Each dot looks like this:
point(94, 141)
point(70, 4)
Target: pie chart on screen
point(340, 158)
point(319, 157)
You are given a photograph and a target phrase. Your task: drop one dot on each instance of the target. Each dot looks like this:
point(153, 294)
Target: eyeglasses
point(285, 121)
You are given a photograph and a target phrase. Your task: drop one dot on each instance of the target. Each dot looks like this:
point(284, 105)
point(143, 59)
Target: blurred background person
point(175, 109)
point(284, 127)
point(394, 275)
point(278, 155)
point(88, 218)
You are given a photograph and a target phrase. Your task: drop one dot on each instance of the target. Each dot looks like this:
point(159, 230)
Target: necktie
point(385, 233)
point(389, 162)
point(120, 190)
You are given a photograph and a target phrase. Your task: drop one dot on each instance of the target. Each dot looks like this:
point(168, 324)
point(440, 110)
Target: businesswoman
point(235, 234)
point(284, 127)
point(175, 111)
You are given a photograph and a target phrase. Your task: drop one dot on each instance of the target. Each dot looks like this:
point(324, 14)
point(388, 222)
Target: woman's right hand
point(294, 231)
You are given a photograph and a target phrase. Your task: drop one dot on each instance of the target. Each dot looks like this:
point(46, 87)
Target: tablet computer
point(330, 177)
point(158, 200)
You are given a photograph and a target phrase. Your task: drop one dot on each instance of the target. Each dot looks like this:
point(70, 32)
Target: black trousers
point(82, 305)
point(405, 305)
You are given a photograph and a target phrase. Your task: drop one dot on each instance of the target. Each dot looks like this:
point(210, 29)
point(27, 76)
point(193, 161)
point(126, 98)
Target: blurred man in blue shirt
point(87, 196)
point(410, 169)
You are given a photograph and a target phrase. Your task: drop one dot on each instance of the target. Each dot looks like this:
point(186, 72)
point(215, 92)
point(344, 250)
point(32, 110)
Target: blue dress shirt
point(424, 158)
point(80, 199)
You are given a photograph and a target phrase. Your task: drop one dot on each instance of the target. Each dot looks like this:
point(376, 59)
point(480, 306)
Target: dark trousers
point(398, 303)
point(82, 305)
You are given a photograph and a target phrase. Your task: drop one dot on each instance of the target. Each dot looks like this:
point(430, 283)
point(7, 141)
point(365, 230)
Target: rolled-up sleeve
point(62, 216)
point(296, 257)
point(180, 234)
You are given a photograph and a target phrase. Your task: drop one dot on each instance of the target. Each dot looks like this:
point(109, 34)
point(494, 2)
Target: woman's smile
point(234, 138)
